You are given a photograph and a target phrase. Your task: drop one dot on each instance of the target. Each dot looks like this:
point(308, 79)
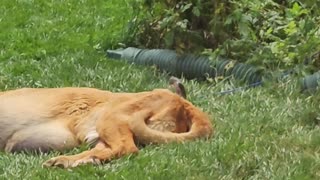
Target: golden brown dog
point(63, 118)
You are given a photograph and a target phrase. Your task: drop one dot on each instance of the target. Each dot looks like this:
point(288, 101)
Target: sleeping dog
point(58, 119)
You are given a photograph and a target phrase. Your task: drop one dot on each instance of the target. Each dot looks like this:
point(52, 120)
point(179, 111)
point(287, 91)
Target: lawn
point(269, 132)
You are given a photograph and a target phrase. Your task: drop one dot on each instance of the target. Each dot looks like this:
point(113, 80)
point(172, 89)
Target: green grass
point(263, 133)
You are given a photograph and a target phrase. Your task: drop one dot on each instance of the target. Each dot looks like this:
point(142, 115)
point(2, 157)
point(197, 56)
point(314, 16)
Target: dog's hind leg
point(115, 140)
point(42, 137)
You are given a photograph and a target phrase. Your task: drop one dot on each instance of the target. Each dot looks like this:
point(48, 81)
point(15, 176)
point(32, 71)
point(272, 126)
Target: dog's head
point(172, 117)
point(164, 117)
point(169, 119)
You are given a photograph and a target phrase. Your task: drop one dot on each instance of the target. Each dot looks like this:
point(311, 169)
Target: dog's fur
point(63, 118)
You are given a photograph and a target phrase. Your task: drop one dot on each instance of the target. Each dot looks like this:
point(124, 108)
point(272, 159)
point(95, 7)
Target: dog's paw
point(90, 160)
point(59, 161)
point(69, 162)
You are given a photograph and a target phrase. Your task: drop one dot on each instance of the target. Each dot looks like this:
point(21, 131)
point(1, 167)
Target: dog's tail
point(201, 127)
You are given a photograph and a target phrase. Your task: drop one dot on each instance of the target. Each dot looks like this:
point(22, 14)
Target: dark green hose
point(200, 67)
point(311, 83)
point(187, 65)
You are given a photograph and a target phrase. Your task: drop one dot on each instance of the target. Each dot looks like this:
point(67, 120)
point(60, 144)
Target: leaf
point(295, 8)
point(291, 28)
point(196, 11)
point(228, 21)
point(244, 29)
point(182, 24)
point(269, 31)
point(169, 39)
point(230, 65)
point(186, 7)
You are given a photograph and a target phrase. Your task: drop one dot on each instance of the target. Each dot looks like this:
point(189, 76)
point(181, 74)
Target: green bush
point(272, 34)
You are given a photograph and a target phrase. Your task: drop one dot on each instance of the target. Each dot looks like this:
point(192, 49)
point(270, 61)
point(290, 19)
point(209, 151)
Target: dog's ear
point(178, 86)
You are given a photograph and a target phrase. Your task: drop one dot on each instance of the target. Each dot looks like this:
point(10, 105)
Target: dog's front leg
point(115, 140)
point(81, 158)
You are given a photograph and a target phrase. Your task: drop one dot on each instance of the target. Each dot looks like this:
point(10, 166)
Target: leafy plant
point(274, 34)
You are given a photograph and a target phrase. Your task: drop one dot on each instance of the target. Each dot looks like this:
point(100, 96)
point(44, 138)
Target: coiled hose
point(187, 65)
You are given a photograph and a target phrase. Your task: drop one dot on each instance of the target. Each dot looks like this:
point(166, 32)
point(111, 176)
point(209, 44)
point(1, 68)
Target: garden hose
point(200, 67)
point(310, 83)
point(187, 65)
